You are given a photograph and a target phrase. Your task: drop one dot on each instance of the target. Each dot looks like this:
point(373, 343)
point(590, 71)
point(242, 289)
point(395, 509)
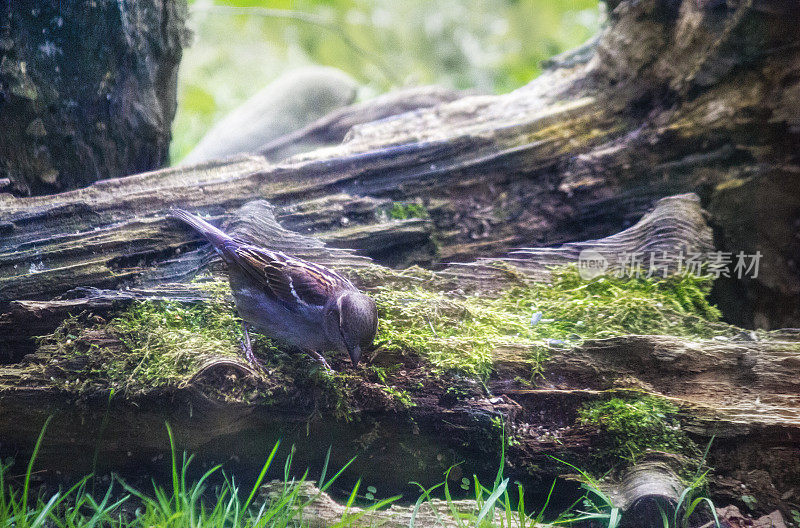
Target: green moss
point(157, 345)
point(167, 340)
point(164, 343)
point(154, 343)
point(459, 332)
point(629, 427)
point(400, 396)
point(403, 211)
point(335, 391)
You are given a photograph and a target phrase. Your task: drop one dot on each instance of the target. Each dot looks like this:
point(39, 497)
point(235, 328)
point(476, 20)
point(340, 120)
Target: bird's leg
point(247, 347)
point(318, 357)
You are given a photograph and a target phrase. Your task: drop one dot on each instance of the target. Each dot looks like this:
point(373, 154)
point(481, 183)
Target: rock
point(283, 106)
point(773, 520)
point(731, 516)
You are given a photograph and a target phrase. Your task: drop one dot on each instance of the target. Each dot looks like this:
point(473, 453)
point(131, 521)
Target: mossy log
point(672, 97)
point(741, 390)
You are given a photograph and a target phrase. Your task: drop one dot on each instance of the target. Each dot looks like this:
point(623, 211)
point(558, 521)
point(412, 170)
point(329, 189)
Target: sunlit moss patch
point(403, 211)
point(458, 331)
point(632, 426)
point(165, 343)
point(151, 343)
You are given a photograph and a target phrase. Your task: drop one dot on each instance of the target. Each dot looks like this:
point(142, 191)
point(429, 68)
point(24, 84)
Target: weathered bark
point(704, 378)
point(87, 91)
point(141, 252)
point(673, 97)
point(322, 511)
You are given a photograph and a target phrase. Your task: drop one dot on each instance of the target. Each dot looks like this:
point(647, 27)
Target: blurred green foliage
point(485, 45)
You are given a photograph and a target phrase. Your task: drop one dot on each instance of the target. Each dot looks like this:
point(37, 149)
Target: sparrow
point(303, 305)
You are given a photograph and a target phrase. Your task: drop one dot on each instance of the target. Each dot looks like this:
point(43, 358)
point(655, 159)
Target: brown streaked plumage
point(302, 304)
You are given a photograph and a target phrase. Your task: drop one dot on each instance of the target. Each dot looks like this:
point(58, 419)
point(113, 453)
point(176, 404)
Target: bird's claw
point(247, 348)
point(320, 359)
point(251, 357)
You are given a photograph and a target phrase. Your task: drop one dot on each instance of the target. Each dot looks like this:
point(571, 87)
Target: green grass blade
point(713, 511)
point(585, 517)
point(593, 486)
point(349, 520)
point(425, 495)
point(697, 475)
point(489, 505)
point(507, 507)
point(39, 521)
point(614, 518)
point(678, 507)
point(352, 496)
point(540, 515)
point(261, 475)
point(455, 513)
point(521, 506)
point(663, 514)
point(98, 443)
point(693, 505)
point(325, 468)
point(175, 484)
point(499, 478)
point(336, 476)
point(26, 485)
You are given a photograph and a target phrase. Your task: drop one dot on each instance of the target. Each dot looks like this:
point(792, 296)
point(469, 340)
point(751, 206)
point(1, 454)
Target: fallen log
point(534, 393)
point(673, 97)
point(709, 110)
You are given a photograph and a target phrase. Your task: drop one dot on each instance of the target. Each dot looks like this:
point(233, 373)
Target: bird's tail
point(222, 243)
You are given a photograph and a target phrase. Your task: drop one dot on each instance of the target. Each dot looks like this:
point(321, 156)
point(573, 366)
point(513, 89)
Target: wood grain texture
point(672, 98)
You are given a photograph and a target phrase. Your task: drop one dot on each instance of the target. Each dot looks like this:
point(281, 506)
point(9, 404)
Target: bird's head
point(354, 317)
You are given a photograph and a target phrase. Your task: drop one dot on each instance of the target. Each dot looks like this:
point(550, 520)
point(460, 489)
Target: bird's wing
point(292, 281)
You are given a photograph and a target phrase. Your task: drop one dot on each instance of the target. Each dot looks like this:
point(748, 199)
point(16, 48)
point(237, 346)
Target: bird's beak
point(355, 355)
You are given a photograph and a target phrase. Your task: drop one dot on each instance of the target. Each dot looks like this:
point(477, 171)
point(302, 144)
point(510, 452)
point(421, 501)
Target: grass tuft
point(184, 503)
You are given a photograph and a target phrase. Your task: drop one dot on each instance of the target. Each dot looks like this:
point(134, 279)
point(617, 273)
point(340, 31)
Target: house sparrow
point(301, 304)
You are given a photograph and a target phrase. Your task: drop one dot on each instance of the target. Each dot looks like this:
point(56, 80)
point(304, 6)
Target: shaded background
point(491, 46)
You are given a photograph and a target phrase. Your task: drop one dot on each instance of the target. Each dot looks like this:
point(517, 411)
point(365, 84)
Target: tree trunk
point(673, 97)
point(87, 91)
